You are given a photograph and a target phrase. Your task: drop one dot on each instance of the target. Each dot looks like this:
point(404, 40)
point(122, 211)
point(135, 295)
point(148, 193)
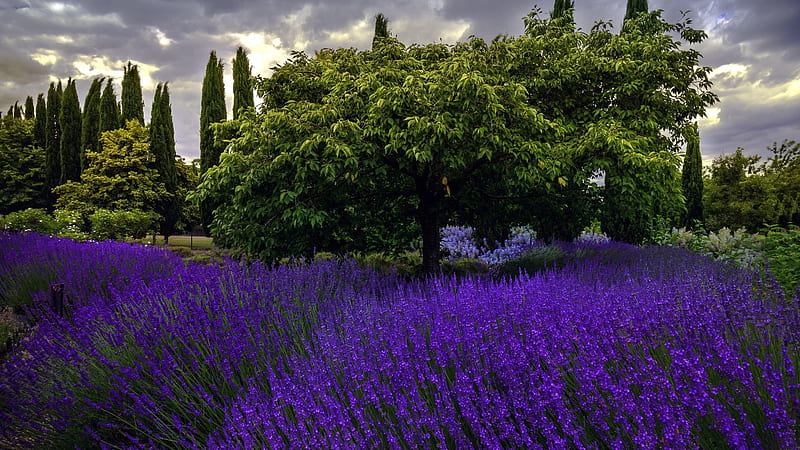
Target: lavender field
point(624, 348)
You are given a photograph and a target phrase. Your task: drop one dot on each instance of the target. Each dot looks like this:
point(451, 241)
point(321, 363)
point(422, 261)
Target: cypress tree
point(132, 103)
point(90, 132)
point(562, 8)
point(692, 179)
point(70, 120)
point(242, 84)
point(53, 139)
point(29, 110)
point(10, 112)
point(40, 125)
point(109, 111)
point(17, 111)
point(212, 110)
point(635, 7)
point(381, 29)
point(162, 145)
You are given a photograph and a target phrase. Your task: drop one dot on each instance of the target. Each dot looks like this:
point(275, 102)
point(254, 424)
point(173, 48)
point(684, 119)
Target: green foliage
point(242, 83)
point(30, 112)
point(109, 111)
point(381, 29)
point(131, 97)
point(743, 193)
point(692, 179)
point(40, 125)
point(465, 267)
point(53, 137)
point(22, 168)
point(122, 177)
point(90, 134)
point(534, 260)
point(634, 8)
point(29, 220)
point(476, 130)
point(563, 8)
point(70, 122)
point(119, 224)
point(162, 146)
point(212, 110)
point(783, 254)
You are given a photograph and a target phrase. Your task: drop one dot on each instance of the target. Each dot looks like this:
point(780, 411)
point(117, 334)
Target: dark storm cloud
point(25, 74)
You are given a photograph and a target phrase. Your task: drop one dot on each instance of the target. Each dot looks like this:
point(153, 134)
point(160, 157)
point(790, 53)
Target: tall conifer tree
point(242, 83)
point(692, 179)
point(109, 111)
point(381, 29)
point(53, 139)
point(90, 133)
point(561, 8)
point(30, 113)
point(132, 103)
point(162, 145)
point(70, 120)
point(212, 110)
point(635, 7)
point(40, 125)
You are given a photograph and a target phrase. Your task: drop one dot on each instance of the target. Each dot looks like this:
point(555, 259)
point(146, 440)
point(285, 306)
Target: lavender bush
point(624, 348)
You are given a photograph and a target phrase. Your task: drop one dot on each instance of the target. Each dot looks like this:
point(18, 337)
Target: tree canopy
point(22, 168)
point(422, 128)
point(744, 192)
point(121, 177)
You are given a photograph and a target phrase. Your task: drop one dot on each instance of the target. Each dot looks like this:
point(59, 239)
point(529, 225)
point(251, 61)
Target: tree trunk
point(428, 217)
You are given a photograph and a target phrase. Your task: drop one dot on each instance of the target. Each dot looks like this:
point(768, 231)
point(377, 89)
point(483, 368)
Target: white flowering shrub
point(593, 237)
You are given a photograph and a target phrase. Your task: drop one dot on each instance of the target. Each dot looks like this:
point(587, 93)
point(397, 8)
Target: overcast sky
point(754, 47)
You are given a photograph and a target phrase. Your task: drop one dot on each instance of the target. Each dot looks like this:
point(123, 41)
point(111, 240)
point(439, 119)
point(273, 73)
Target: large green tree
point(132, 103)
point(53, 132)
point(212, 110)
point(162, 146)
point(22, 168)
point(242, 83)
point(121, 177)
point(418, 131)
point(692, 179)
point(70, 120)
point(109, 110)
point(90, 133)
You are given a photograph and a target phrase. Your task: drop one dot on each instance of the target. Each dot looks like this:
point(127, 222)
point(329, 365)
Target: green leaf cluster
point(121, 177)
point(22, 167)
